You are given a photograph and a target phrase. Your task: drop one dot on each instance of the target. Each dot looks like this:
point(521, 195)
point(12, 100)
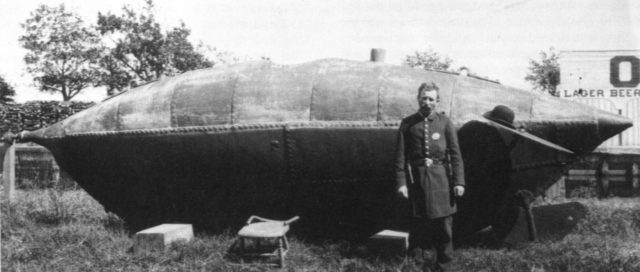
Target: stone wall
point(37, 114)
point(35, 166)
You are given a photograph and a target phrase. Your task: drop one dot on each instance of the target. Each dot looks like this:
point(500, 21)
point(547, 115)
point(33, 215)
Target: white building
point(608, 80)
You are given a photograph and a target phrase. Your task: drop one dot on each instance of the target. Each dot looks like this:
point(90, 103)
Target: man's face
point(428, 100)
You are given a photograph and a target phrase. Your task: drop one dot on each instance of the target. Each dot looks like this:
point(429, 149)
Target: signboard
point(599, 74)
point(608, 80)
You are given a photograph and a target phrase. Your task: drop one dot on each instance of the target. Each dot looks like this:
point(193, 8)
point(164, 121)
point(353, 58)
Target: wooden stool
point(265, 229)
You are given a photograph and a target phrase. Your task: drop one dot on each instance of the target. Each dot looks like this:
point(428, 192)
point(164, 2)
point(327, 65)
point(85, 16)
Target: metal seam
point(263, 126)
point(380, 88)
point(531, 108)
point(313, 89)
point(289, 151)
point(243, 127)
point(172, 106)
point(118, 119)
point(541, 164)
point(233, 98)
point(321, 66)
point(453, 93)
point(347, 180)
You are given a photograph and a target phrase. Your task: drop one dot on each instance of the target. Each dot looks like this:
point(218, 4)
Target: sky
point(495, 39)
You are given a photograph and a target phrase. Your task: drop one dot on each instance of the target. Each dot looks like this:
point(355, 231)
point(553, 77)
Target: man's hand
point(403, 191)
point(458, 190)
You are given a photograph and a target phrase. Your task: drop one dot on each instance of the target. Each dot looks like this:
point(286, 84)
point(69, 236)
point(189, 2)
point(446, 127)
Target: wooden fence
point(604, 181)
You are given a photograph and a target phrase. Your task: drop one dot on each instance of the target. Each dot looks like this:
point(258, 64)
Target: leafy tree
point(265, 58)
point(428, 60)
point(6, 91)
point(142, 52)
point(433, 61)
point(225, 57)
point(218, 56)
point(544, 74)
point(62, 53)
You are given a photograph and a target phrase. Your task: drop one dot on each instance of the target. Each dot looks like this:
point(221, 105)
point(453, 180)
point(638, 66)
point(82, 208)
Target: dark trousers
point(428, 233)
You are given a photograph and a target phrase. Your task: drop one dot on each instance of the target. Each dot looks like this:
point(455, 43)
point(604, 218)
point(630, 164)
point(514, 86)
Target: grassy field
point(49, 230)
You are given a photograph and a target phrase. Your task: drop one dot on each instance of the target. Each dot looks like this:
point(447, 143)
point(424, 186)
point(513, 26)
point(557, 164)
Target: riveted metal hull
point(214, 146)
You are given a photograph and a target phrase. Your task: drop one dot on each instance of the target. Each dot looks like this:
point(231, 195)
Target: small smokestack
point(464, 71)
point(377, 55)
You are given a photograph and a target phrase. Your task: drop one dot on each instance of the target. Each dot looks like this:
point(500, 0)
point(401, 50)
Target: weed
point(69, 231)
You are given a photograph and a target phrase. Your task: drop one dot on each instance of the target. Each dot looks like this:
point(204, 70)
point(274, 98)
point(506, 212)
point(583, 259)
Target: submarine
point(212, 147)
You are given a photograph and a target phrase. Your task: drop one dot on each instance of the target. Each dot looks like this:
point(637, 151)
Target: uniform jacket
point(430, 188)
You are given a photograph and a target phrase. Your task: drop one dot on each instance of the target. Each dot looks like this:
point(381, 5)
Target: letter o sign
point(615, 71)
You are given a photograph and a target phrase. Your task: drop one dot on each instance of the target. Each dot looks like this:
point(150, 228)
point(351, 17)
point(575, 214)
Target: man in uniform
point(430, 173)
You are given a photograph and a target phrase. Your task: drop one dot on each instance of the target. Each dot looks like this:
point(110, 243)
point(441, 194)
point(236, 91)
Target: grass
point(49, 230)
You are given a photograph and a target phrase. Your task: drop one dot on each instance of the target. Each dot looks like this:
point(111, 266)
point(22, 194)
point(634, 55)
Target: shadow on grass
point(552, 223)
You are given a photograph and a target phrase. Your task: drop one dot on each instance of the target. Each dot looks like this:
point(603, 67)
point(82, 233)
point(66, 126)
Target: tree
point(6, 91)
point(62, 53)
point(428, 60)
point(142, 52)
point(544, 74)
